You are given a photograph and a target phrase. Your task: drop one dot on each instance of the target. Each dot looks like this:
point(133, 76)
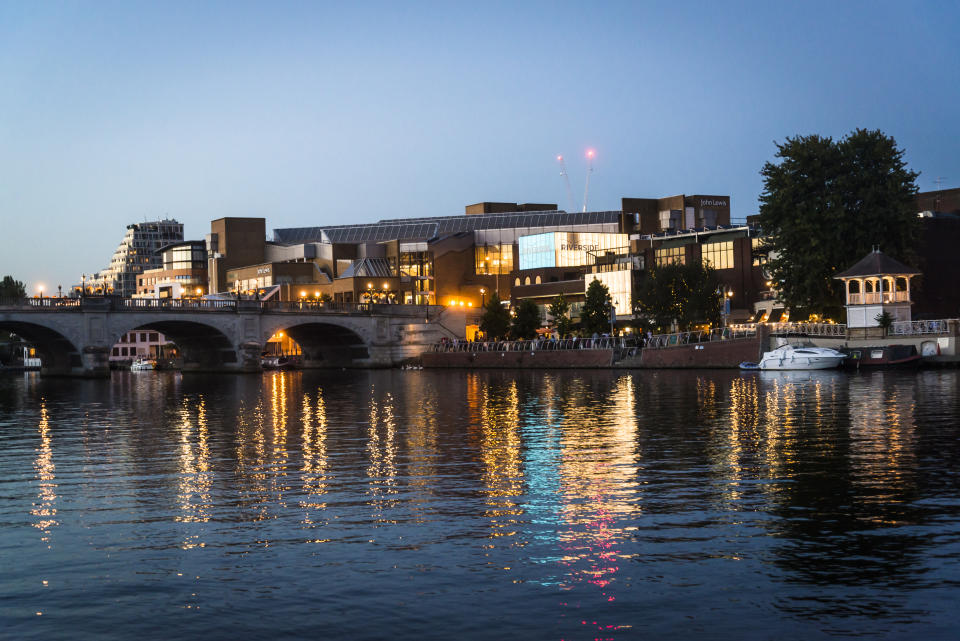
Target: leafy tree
point(10, 288)
point(560, 311)
point(526, 320)
point(495, 320)
point(884, 320)
point(688, 294)
point(826, 204)
point(595, 315)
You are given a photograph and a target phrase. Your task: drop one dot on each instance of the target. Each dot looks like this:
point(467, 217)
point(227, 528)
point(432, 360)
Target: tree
point(526, 320)
point(884, 320)
point(595, 315)
point(826, 204)
point(688, 294)
point(495, 320)
point(560, 309)
point(10, 288)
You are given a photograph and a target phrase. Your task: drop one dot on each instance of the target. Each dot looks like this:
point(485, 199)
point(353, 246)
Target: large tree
point(688, 294)
point(560, 312)
point(826, 203)
point(495, 320)
point(595, 314)
point(10, 288)
point(526, 320)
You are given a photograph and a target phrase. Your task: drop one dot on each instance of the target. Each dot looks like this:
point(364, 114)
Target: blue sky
point(315, 113)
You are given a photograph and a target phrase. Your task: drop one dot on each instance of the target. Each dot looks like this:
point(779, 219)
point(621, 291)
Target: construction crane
point(586, 189)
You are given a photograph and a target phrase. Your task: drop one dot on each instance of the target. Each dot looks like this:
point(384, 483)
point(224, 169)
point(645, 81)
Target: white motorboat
point(801, 357)
point(141, 364)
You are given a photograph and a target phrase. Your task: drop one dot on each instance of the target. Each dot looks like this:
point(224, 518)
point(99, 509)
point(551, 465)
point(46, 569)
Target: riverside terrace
point(73, 336)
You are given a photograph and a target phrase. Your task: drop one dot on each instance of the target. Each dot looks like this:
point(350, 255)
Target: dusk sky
point(329, 113)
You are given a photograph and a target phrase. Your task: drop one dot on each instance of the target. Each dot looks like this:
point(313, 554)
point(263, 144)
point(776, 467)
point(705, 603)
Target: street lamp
point(483, 300)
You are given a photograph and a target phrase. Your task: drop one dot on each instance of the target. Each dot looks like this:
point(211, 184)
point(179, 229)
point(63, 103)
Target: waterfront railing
point(947, 326)
point(535, 345)
point(660, 341)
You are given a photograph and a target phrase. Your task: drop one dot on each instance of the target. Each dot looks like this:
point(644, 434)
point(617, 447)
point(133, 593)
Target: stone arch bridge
point(74, 336)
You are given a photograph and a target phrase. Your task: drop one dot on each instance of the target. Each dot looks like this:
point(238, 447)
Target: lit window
point(718, 255)
point(670, 256)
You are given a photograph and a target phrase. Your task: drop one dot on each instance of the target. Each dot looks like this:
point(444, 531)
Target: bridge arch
point(58, 351)
point(202, 346)
point(323, 343)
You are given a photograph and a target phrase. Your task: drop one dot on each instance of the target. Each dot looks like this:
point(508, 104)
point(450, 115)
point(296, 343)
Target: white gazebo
point(875, 285)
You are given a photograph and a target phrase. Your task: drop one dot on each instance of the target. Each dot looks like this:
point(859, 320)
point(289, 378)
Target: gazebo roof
point(876, 263)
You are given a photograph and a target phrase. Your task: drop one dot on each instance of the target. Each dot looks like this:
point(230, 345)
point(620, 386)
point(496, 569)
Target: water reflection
point(382, 454)
point(195, 475)
point(592, 504)
point(313, 416)
point(44, 507)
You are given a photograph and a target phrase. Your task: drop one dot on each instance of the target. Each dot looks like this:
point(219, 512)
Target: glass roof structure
point(421, 229)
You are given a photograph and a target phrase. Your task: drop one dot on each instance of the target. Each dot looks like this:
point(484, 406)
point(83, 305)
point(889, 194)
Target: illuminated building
point(183, 274)
point(139, 250)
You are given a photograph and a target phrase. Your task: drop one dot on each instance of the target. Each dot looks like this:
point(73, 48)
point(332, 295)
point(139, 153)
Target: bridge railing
point(40, 302)
point(140, 304)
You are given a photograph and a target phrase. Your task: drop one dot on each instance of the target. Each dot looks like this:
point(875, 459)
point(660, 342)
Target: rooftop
point(876, 263)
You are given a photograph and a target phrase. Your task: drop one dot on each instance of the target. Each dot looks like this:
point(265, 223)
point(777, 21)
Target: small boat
point(278, 362)
point(882, 356)
point(788, 356)
point(747, 365)
point(141, 364)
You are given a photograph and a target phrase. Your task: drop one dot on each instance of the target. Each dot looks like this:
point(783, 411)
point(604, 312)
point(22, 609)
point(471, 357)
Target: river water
point(462, 505)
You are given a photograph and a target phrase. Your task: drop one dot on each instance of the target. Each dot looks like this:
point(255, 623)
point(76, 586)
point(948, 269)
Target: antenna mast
point(566, 182)
point(586, 189)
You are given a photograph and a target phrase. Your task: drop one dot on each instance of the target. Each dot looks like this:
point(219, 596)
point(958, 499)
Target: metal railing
point(835, 330)
point(924, 327)
point(661, 341)
point(536, 345)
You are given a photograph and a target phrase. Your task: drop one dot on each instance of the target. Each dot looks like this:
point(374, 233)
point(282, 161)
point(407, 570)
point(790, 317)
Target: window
point(123, 351)
point(143, 337)
point(756, 250)
point(670, 256)
point(718, 255)
point(154, 337)
point(116, 351)
point(493, 259)
point(538, 281)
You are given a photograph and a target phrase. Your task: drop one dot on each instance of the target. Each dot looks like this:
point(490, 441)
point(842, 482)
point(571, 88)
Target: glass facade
point(416, 264)
point(670, 255)
point(491, 260)
point(620, 285)
point(566, 249)
point(759, 258)
point(718, 255)
point(192, 256)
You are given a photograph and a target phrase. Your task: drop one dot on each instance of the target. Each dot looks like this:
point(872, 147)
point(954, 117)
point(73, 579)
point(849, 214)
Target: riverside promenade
point(936, 341)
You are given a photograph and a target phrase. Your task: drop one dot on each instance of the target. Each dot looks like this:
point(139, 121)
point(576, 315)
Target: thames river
point(459, 505)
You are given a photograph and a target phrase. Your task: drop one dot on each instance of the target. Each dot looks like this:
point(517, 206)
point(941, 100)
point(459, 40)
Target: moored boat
point(881, 356)
point(141, 364)
point(795, 357)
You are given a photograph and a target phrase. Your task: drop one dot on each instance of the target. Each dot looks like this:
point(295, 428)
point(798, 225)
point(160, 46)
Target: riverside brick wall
point(714, 354)
point(547, 359)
